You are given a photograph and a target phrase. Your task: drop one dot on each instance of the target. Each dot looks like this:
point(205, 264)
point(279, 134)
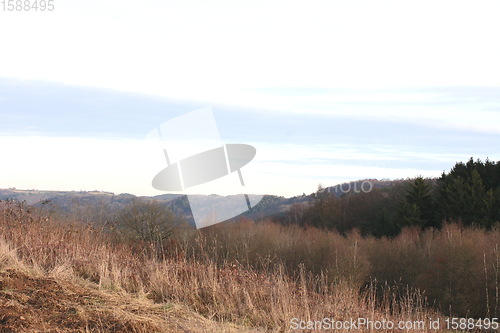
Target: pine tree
point(453, 201)
point(471, 193)
point(465, 200)
point(418, 209)
point(494, 206)
point(477, 202)
point(409, 215)
point(384, 225)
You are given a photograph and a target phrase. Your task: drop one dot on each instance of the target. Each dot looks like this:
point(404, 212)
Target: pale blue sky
point(326, 91)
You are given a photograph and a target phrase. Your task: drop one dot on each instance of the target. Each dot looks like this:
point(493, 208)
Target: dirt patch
point(38, 304)
point(42, 304)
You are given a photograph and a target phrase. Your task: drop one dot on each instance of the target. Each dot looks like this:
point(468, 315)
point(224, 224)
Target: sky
point(326, 91)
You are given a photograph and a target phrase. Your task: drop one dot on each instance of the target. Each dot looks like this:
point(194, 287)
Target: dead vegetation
point(61, 276)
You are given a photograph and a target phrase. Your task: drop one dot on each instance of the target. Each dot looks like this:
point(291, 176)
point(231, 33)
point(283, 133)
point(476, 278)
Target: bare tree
point(147, 220)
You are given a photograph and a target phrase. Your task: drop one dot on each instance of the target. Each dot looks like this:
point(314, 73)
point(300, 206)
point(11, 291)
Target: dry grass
point(222, 279)
point(45, 304)
point(456, 268)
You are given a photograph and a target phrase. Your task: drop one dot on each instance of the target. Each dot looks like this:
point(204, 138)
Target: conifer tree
point(417, 209)
point(466, 199)
point(494, 205)
point(409, 215)
point(384, 225)
point(477, 201)
point(453, 201)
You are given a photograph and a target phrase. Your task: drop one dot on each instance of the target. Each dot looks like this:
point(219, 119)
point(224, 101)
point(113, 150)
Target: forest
point(469, 194)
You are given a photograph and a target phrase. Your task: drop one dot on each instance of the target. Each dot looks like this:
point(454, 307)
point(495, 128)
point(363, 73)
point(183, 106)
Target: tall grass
point(263, 274)
point(457, 268)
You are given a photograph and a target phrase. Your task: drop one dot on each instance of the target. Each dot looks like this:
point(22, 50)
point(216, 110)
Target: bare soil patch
point(41, 304)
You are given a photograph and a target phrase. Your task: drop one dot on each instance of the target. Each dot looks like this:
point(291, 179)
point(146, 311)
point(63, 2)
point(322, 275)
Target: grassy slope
point(33, 303)
point(60, 276)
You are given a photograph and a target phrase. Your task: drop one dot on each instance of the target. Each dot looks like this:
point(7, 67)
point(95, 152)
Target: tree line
point(469, 194)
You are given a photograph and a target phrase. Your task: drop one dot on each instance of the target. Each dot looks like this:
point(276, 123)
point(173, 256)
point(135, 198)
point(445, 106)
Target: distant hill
point(274, 206)
point(100, 206)
point(363, 185)
point(167, 197)
point(34, 196)
point(65, 198)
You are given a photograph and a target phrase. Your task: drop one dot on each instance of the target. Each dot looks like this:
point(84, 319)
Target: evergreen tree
point(417, 208)
point(477, 205)
point(409, 215)
point(384, 225)
point(494, 205)
point(466, 199)
point(453, 201)
point(490, 175)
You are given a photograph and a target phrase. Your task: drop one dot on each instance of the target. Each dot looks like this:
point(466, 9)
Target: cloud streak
point(95, 133)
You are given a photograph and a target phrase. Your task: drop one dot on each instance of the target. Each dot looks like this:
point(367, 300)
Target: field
point(58, 275)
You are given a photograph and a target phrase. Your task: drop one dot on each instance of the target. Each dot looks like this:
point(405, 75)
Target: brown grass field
point(63, 276)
